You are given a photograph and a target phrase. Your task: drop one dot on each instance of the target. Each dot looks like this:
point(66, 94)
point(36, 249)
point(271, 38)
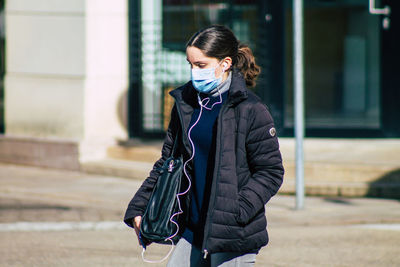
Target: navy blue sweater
point(203, 136)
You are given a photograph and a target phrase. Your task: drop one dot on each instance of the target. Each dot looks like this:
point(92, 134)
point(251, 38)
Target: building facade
point(80, 75)
point(66, 77)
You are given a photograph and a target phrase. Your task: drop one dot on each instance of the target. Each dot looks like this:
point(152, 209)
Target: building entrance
point(350, 82)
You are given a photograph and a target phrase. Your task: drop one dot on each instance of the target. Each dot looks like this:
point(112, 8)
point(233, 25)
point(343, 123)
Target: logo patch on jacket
point(272, 131)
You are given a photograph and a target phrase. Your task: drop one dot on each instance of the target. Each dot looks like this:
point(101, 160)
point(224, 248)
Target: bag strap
point(176, 142)
point(174, 154)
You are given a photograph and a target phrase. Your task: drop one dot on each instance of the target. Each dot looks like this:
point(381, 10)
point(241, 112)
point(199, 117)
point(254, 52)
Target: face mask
point(204, 80)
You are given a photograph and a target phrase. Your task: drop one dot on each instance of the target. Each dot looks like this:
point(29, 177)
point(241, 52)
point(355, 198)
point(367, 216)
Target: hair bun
point(247, 65)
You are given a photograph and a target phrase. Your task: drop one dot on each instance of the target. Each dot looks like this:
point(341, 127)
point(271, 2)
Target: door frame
point(390, 82)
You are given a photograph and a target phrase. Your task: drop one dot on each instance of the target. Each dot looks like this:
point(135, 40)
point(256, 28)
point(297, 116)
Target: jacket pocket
point(244, 207)
point(240, 211)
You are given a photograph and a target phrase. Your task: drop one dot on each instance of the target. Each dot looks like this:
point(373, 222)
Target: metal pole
point(299, 99)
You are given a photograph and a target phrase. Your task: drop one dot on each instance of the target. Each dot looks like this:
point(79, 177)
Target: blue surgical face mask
point(204, 80)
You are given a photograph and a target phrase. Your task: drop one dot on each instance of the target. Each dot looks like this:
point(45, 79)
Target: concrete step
point(140, 170)
point(141, 152)
point(333, 167)
point(118, 167)
point(344, 189)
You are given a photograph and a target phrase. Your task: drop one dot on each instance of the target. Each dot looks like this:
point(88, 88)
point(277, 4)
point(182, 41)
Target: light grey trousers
point(186, 255)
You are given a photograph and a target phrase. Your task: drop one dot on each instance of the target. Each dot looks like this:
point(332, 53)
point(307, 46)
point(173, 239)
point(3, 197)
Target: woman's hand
point(136, 224)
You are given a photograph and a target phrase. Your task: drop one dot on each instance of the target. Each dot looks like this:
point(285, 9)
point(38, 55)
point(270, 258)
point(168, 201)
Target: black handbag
point(164, 211)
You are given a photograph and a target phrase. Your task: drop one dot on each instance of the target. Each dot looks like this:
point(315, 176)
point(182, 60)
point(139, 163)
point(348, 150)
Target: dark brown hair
point(218, 41)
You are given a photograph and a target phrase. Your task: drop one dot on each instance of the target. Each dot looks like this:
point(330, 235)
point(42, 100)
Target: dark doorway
point(350, 84)
point(390, 72)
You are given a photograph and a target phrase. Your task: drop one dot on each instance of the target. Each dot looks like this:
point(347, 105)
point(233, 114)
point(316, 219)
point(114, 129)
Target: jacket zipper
point(213, 189)
point(205, 254)
point(211, 204)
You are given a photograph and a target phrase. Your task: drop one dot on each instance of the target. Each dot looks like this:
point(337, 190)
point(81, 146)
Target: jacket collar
point(237, 92)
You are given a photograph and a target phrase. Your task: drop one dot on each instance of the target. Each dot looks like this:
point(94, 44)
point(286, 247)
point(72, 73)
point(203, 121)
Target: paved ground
point(83, 214)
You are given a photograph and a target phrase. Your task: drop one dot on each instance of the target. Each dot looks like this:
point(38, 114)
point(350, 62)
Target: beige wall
point(67, 70)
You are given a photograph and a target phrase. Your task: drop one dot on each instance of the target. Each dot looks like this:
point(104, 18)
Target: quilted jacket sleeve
point(138, 204)
point(265, 164)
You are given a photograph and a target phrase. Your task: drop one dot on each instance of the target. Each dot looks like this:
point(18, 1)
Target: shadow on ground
point(388, 186)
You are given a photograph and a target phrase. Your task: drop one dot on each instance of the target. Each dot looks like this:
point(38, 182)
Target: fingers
point(136, 221)
point(136, 225)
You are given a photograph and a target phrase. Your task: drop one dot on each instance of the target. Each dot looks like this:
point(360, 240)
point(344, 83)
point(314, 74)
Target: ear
point(226, 65)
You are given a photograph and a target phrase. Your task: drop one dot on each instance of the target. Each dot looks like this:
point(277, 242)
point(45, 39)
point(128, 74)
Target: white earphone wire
point(180, 211)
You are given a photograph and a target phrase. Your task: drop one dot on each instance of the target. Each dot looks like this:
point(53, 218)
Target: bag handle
point(161, 260)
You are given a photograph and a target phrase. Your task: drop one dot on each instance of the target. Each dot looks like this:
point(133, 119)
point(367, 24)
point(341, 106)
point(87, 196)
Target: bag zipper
point(171, 166)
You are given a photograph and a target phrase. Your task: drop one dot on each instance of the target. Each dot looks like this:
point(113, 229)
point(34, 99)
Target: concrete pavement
point(328, 232)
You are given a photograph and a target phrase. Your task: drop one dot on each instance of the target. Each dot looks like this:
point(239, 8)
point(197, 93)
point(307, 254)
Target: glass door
point(159, 32)
point(342, 51)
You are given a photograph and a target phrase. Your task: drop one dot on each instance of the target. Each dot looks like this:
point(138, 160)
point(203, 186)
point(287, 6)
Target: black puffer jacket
point(248, 168)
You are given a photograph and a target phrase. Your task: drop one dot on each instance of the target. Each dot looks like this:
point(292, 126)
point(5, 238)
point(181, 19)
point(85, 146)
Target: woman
point(231, 155)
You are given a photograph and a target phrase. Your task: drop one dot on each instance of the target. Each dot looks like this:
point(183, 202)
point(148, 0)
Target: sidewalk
point(328, 232)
